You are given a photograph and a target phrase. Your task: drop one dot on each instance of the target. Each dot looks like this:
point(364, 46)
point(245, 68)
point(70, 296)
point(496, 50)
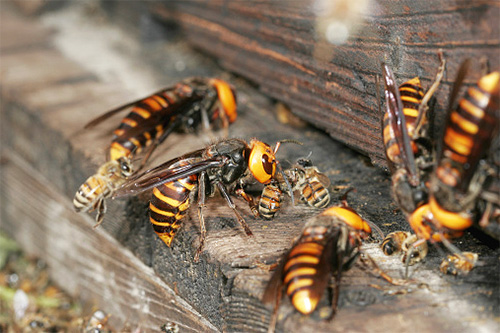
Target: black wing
point(123, 107)
point(394, 110)
point(168, 172)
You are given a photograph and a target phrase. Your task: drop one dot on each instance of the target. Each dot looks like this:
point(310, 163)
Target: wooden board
point(279, 46)
point(48, 94)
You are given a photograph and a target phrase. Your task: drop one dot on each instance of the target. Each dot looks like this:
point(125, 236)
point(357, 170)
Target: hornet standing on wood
point(227, 166)
point(184, 106)
point(329, 244)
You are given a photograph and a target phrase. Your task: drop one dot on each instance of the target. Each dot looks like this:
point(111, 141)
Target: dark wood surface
point(48, 92)
point(278, 45)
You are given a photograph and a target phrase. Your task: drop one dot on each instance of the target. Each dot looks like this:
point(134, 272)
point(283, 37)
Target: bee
point(310, 182)
point(400, 242)
point(97, 322)
point(457, 180)
point(458, 264)
point(227, 166)
point(270, 200)
point(184, 106)
point(409, 152)
point(305, 178)
point(328, 245)
point(93, 192)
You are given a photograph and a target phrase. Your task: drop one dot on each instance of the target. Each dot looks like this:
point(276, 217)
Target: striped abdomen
point(300, 274)
point(411, 95)
point(169, 205)
point(270, 200)
point(95, 188)
point(469, 131)
point(315, 194)
point(124, 144)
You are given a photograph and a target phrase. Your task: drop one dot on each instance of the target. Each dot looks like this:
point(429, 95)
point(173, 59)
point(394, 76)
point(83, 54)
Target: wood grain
point(277, 46)
point(47, 96)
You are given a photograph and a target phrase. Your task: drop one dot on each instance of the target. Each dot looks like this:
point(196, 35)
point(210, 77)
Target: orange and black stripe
point(315, 194)
point(301, 271)
point(270, 201)
point(469, 131)
point(169, 205)
point(124, 144)
point(411, 93)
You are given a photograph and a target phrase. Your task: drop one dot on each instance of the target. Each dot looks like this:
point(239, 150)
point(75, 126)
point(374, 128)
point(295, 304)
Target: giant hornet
point(455, 184)
point(328, 245)
point(459, 177)
point(184, 106)
point(408, 150)
point(305, 178)
point(227, 165)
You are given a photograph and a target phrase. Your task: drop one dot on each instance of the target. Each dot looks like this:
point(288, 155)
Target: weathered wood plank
point(42, 124)
point(275, 45)
point(85, 261)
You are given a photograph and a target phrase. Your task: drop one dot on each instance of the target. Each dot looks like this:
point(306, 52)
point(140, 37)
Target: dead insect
point(328, 245)
point(458, 264)
point(184, 106)
point(400, 242)
point(227, 165)
point(305, 178)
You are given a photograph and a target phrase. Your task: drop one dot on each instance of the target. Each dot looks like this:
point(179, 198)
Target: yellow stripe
point(464, 124)
point(450, 220)
point(130, 122)
point(153, 104)
point(159, 211)
point(161, 101)
point(298, 272)
point(409, 112)
point(302, 260)
point(460, 143)
point(312, 249)
point(170, 201)
point(471, 108)
point(299, 284)
point(141, 112)
point(410, 99)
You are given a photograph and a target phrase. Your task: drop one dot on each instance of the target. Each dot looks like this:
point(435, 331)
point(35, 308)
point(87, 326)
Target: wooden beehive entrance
point(66, 66)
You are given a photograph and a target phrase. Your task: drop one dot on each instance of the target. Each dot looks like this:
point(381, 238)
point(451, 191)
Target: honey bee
point(227, 166)
point(93, 192)
point(458, 264)
point(270, 201)
point(305, 178)
point(328, 245)
point(97, 322)
point(184, 106)
point(400, 242)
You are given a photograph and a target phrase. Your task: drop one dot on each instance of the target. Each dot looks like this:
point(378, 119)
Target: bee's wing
point(120, 108)
point(168, 172)
point(394, 110)
point(323, 179)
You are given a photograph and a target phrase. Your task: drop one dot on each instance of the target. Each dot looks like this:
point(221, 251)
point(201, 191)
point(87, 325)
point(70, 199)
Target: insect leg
point(422, 109)
point(230, 202)
point(201, 205)
point(101, 210)
point(253, 206)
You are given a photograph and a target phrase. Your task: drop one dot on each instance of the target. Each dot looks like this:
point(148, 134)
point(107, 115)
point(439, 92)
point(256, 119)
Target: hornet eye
point(261, 162)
